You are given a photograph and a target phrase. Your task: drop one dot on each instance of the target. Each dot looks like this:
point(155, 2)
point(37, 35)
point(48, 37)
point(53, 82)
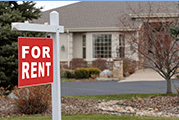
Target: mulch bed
point(69, 105)
point(167, 104)
point(7, 107)
point(77, 106)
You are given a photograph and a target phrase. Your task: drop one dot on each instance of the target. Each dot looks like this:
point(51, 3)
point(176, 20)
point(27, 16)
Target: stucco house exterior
point(93, 29)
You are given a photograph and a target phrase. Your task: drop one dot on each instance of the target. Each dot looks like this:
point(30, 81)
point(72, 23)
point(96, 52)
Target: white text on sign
point(35, 69)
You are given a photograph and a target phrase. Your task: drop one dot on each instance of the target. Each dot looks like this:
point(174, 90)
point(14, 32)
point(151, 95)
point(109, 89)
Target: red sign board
point(35, 61)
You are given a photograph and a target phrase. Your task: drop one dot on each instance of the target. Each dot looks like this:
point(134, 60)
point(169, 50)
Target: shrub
point(81, 73)
point(4, 91)
point(78, 63)
point(100, 64)
point(69, 74)
point(62, 73)
point(128, 66)
point(94, 71)
point(132, 69)
point(93, 76)
point(177, 76)
point(63, 66)
point(33, 100)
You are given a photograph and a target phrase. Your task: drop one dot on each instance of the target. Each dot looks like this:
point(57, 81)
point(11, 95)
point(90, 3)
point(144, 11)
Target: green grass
point(33, 117)
point(66, 80)
point(120, 97)
point(89, 117)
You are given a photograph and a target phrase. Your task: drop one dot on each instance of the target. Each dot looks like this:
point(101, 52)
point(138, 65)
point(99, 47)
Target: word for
point(45, 51)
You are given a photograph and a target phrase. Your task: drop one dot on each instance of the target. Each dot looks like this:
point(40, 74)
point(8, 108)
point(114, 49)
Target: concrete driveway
point(144, 75)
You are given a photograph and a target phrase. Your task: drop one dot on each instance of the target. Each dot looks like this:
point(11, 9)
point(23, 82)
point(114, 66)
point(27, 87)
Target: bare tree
point(157, 47)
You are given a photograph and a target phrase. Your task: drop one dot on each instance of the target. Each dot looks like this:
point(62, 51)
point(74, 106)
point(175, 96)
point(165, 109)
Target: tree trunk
point(169, 89)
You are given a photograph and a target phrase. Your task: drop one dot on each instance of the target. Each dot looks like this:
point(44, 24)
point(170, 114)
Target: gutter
point(100, 29)
point(154, 15)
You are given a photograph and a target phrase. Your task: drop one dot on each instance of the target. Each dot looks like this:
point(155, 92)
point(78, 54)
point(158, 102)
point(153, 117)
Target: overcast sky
point(52, 4)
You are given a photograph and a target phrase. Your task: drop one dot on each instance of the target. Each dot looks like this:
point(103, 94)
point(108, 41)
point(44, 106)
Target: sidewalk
point(144, 75)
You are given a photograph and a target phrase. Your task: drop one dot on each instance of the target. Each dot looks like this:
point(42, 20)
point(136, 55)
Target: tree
point(153, 41)
point(12, 11)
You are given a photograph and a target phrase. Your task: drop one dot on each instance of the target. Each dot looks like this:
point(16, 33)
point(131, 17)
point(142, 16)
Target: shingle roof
point(104, 13)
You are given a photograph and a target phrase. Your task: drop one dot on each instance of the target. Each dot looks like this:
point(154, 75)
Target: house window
point(84, 45)
point(121, 46)
point(102, 46)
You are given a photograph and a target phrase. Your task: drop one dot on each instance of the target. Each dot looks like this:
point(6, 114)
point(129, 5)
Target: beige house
point(92, 28)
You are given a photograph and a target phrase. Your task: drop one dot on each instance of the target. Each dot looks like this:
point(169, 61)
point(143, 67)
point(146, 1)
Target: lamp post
point(117, 52)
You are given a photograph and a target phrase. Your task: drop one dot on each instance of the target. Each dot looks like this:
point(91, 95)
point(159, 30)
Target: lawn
point(89, 117)
point(67, 80)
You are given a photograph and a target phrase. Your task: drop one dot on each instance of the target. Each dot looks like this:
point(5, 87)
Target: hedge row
point(80, 73)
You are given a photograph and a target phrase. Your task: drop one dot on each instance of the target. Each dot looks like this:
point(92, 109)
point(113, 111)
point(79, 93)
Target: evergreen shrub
point(94, 71)
point(69, 74)
point(81, 73)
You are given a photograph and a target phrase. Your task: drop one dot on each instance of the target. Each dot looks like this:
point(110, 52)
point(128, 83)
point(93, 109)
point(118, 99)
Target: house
point(93, 29)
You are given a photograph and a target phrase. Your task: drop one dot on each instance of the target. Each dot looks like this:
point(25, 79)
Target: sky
point(47, 5)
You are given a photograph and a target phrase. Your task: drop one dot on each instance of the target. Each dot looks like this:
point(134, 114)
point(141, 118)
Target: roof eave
point(100, 29)
point(154, 15)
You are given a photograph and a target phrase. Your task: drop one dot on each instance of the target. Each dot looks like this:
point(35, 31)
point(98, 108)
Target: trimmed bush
point(69, 74)
point(81, 73)
point(33, 100)
point(62, 73)
point(100, 64)
point(94, 71)
point(78, 63)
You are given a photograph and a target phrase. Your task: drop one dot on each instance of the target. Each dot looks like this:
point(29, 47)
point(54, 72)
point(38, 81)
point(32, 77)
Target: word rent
point(35, 69)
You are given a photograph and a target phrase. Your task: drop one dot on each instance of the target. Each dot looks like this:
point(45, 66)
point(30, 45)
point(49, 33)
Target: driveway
point(143, 81)
point(144, 75)
point(113, 87)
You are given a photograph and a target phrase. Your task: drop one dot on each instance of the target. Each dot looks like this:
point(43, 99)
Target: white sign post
point(54, 29)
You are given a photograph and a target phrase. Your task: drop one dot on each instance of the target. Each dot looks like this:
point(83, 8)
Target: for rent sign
point(35, 61)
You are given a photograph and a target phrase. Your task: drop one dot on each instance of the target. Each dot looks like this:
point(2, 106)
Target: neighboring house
point(93, 29)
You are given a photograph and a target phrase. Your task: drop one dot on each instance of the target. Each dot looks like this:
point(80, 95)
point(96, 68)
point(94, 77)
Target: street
point(114, 87)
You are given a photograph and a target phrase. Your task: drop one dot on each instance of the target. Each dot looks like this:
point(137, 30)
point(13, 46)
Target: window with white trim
point(121, 46)
point(84, 45)
point(102, 45)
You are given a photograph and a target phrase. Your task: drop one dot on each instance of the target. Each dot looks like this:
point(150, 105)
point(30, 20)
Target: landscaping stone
point(106, 73)
point(162, 106)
